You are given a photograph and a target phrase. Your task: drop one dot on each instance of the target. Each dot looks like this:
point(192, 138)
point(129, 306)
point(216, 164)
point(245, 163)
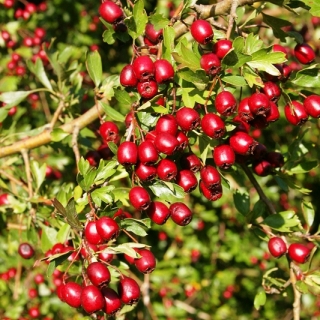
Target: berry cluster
point(27, 10)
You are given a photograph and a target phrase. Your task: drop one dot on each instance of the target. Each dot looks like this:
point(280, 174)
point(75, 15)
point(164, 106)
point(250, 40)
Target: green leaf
point(134, 226)
point(282, 221)
point(252, 44)
point(88, 179)
point(276, 24)
point(198, 77)
point(308, 77)
point(252, 78)
point(204, 146)
point(13, 98)
point(168, 42)
point(302, 287)
point(38, 69)
point(127, 248)
point(185, 59)
point(69, 213)
point(105, 170)
point(260, 299)
point(63, 233)
point(58, 134)
point(48, 238)
point(122, 195)
point(94, 67)
point(314, 7)
point(136, 24)
point(111, 112)
point(113, 147)
point(84, 166)
point(236, 81)
point(169, 192)
point(102, 194)
point(38, 173)
point(108, 34)
point(303, 167)
point(242, 202)
point(123, 98)
point(158, 21)
point(308, 213)
point(281, 183)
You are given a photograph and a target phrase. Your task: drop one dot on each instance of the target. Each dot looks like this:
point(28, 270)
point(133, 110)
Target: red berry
point(163, 71)
point(213, 126)
point(110, 12)
point(180, 213)
point(222, 47)
point(211, 194)
point(166, 143)
point(112, 301)
point(298, 115)
point(262, 168)
point(277, 247)
point(127, 153)
point(187, 118)
point(242, 143)
point(210, 176)
point(259, 104)
point(26, 251)
point(167, 170)
point(201, 31)
point(158, 212)
point(128, 77)
point(145, 172)
point(147, 262)
point(109, 131)
point(71, 294)
point(34, 312)
point(191, 162)
point(273, 114)
point(139, 198)
point(152, 34)
point(168, 124)
point(147, 153)
point(143, 68)
point(312, 105)
point(210, 63)
point(225, 103)
point(104, 255)
point(187, 180)
point(244, 111)
point(223, 156)
point(4, 199)
point(182, 140)
point(299, 252)
point(107, 228)
point(92, 299)
point(99, 274)
point(272, 91)
point(147, 89)
point(129, 290)
point(304, 53)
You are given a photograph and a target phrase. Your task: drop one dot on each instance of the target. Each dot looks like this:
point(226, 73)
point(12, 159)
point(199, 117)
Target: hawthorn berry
point(110, 12)
point(158, 212)
point(190, 161)
point(222, 47)
point(187, 180)
point(242, 143)
point(210, 176)
point(297, 114)
point(244, 110)
point(107, 228)
point(213, 126)
point(312, 105)
point(223, 156)
point(128, 290)
point(25, 250)
point(166, 143)
point(277, 247)
point(210, 63)
point(109, 131)
point(167, 170)
point(147, 153)
point(127, 153)
point(147, 89)
point(201, 31)
point(304, 53)
point(139, 198)
point(299, 252)
point(259, 104)
point(225, 103)
point(187, 118)
point(147, 261)
point(128, 77)
point(262, 167)
point(92, 299)
point(167, 124)
point(211, 194)
point(98, 273)
point(152, 34)
point(180, 213)
point(71, 294)
point(163, 71)
point(143, 68)
point(112, 301)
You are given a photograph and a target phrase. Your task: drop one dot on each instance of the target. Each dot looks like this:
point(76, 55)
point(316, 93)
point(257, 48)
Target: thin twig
point(75, 146)
point(145, 291)
point(45, 106)
point(25, 157)
point(232, 17)
point(13, 179)
point(57, 113)
point(192, 310)
point(296, 292)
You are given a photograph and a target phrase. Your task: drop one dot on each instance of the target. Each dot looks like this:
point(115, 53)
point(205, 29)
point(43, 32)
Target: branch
point(45, 136)
point(255, 183)
point(297, 294)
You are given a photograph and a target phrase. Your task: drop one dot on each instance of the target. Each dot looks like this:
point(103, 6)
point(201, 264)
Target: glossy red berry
point(147, 153)
point(163, 71)
point(210, 63)
point(147, 89)
point(167, 170)
point(4, 199)
point(110, 12)
point(99, 274)
point(259, 104)
point(158, 212)
point(127, 153)
point(297, 115)
point(145, 172)
point(273, 114)
point(304, 53)
point(183, 140)
point(212, 194)
point(34, 312)
point(277, 247)
point(71, 294)
point(222, 47)
point(128, 290)
point(26, 251)
point(201, 31)
point(244, 111)
point(213, 126)
point(180, 213)
point(143, 68)
point(187, 118)
point(223, 156)
point(128, 77)
point(242, 143)
point(107, 228)
point(190, 161)
point(139, 198)
point(225, 103)
point(262, 168)
point(154, 35)
point(299, 252)
point(167, 124)
point(109, 131)
point(147, 262)
point(166, 143)
point(112, 301)
point(91, 233)
point(312, 105)
point(187, 180)
point(272, 91)
point(92, 299)
point(210, 176)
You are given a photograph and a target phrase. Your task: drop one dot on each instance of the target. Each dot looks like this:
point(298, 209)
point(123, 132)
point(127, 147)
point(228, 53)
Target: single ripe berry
point(187, 180)
point(222, 47)
point(167, 170)
point(297, 115)
point(112, 301)
point(277, 247)
point(110, 12)
point(147, 89)
point(168, 124)
point(210, 176)
point(242, 143)
point(109, 131)
point(225, 103)
point(128, 77)
point(183, 140)
point(107, 228)
point(163, 71)
point(180, 213)
point(223, 156)
point(201, 31)
point(213, 126)
point(147, 262)
point(127, 153)
point(147, 153)
point(210, 63)
point(273, 114)
point(71, 294)
point(139, 198)
point(312, 105)
point(262, 168)
point(103, 254)
point(26, 251)
point(91, 233)
point(158, 212)
point(259, 104)
point(145, 172)
point(152, 34)
point(187, 118)
point(304, 53)
point(143, 68)
point(166, 143)
point(99, 274)
point(4, 199)
point(212, 194)
point(190, 161)
point(128, 290)
point(244, 111)
point(299, 252)
point(92, 299)
point(272, 91)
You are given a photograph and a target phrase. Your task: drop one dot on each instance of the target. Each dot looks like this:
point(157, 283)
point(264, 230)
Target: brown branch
point(255, 183)
point(232, 17)
point(13, 179)
point(26, 160)
point(188, 308)
point(75, 146)
point(45, 136)
point(296, 292)
point(57, 113)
